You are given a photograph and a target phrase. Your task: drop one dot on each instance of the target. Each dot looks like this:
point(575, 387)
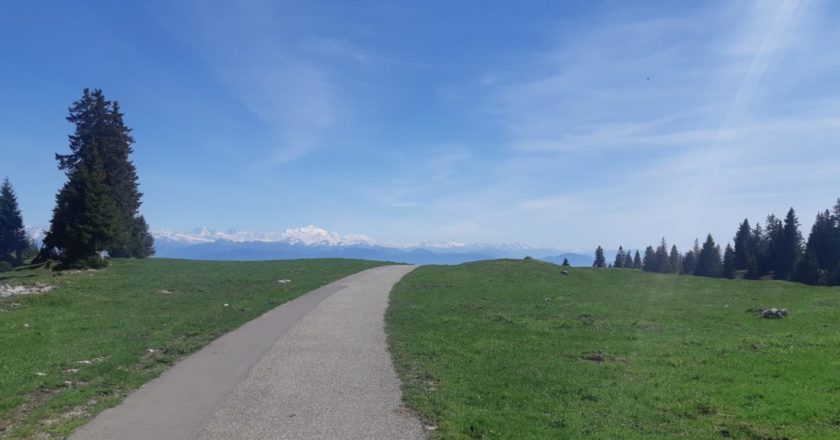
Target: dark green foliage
point(620, 258)
point(808, 270)
point(662, 263)
point(649, 260)
point(708, 261)
point(675, 260)
point(82, 223)
point(745, 257)
point(689, 263)
point(600, 261)
point(637, 261)
point(690, 259)
point(13, 240)
point(97, 209)
point(789, 247)
point(628, 260)
point(729, 262)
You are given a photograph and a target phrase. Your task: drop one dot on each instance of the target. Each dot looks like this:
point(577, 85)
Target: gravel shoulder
point(316, 367)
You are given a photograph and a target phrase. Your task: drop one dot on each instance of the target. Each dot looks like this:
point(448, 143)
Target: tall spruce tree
point(649, 260)
point(675, 260)
point(628, 260)
point(600, 260)
point(770, 258)
point(620, 257)
point(13, 240)
point(789, 247)
point(729, 262)
point(744, 257)
point(98, 208)
point(708, 261)
point(662, 264)
point(690, 259)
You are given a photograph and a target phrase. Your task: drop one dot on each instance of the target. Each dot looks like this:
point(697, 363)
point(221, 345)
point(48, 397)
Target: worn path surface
point(316, 367)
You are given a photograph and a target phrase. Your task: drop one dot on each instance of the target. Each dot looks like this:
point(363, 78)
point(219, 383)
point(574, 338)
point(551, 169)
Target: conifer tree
point(675, 260)
point(628, 260)
point(729, 262)
point(759, 251)
point(708, 261)
point(770, 257)
point(620, 257)
point(98, 208)
point(662, 263)
point(789, 247)
point(744, 257)
point(649, 260)
point(13, 240)
point(690, 259)
point(600, 260)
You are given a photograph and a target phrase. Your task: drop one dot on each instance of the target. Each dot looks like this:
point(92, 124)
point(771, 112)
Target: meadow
point(519, 349)
point(68, 354)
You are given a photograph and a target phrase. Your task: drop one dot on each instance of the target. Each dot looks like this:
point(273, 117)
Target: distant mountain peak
point(308, 235)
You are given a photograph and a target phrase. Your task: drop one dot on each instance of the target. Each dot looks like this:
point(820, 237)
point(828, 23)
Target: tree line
point(96, 213)
point(775, 251)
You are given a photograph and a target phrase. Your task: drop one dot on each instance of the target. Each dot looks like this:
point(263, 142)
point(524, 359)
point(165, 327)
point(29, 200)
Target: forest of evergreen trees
point(775, 251)
point(96, 212)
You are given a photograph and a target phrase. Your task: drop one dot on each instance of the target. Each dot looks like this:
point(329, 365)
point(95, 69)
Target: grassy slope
point(498, 350)
point(171, 306)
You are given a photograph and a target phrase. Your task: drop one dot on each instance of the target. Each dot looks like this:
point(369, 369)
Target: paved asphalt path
point(316, 367)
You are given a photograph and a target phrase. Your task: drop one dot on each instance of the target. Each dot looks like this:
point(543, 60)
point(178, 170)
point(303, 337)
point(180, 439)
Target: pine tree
point(771, 259)
point(600, 261)
point(97, 209)
point(649, 260)
point(759, 251)
point(13, 240)
point(789, 248)
point(821, 243)
point(744, 257)
point(808, 270)
point(708, 261)
point(628, 260)
point(729, 262)
point(690, 259)
point(637, 260)
point(82, 223)
point(675, 260)
point(662, 263)
point(689, 263)
point(619, 258)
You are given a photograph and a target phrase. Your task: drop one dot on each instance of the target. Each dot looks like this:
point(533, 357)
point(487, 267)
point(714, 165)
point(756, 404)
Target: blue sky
point(565, 124)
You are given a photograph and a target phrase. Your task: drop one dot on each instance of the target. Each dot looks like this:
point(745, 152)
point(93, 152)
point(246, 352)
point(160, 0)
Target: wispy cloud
point(291, 81)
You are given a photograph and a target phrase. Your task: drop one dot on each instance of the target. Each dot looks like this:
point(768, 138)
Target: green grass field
point(70, 353)
point(517, 350)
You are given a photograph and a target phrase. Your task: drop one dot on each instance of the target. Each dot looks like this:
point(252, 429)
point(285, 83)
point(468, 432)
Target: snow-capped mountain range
point(307, 235)
point(314, 242)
